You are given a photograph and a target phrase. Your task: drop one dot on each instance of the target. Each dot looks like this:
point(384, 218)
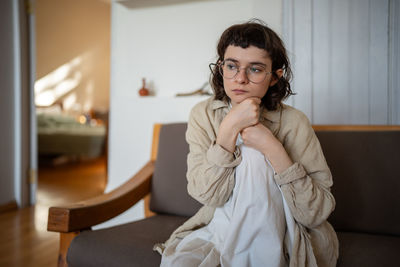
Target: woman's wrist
point(227, 136)
point(279, 158)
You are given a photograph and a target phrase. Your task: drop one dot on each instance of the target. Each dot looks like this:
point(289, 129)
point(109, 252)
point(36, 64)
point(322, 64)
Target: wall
point(170, 43)
point(7, 100)
point(14, 105)
point(394, 60)
point(345, 60)
point(73, 37)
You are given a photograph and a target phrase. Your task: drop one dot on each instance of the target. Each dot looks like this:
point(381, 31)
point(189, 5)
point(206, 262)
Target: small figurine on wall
point(144, 91)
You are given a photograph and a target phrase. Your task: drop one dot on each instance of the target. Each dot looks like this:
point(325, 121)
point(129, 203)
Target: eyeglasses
point(229, 69)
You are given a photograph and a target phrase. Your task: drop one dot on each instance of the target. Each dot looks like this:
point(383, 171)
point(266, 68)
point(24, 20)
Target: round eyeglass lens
point(255, 73)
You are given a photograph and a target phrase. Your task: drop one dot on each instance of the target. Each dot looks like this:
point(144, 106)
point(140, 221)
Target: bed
point(60, 134)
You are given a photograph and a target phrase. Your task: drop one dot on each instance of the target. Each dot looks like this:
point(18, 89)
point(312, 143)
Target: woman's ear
point(275, 78)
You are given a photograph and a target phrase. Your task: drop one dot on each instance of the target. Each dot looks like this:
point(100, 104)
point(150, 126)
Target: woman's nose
point(241, 76)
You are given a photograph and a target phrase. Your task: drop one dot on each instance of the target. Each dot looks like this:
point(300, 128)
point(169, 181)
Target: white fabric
point(249, 230)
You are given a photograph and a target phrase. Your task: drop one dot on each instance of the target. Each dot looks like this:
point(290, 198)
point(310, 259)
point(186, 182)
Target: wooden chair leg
point(147, 212)
point(65, 241)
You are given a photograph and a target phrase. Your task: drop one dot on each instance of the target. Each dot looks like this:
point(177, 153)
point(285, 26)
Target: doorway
point(71, 98)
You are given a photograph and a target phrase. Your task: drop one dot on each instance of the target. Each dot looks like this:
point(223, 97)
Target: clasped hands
point(243, 118)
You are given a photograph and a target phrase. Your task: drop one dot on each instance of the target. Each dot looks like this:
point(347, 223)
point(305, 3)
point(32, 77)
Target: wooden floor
point(24, 240)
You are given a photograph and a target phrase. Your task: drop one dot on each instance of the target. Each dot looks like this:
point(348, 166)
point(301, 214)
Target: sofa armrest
point(82, 215)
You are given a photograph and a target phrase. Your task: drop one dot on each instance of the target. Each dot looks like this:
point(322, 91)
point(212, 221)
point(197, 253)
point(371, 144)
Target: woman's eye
point(255, 70)
point(231, 66)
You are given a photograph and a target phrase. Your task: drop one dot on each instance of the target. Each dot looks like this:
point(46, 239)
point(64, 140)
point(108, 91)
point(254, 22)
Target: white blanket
point(253, 228)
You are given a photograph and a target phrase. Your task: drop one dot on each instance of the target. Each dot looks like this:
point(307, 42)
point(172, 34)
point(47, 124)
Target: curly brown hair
point(255, 33)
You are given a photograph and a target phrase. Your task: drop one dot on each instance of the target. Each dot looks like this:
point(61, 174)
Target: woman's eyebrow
point(251, 63)
point(232, 59)
point(258, 63)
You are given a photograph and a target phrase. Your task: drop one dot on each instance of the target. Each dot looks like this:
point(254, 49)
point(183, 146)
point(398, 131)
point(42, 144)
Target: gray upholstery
point(126, 245)
point(366, 184)
point(366, 189)
point(366, 250)
point(169, 192)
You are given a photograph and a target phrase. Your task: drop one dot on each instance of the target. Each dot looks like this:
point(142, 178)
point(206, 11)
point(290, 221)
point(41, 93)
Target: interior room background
point(345, 56)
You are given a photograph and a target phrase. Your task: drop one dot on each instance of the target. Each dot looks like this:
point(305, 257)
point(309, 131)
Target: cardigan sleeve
point(306, 184)
point(211, 168)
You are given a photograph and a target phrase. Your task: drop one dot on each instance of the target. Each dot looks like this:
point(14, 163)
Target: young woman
point(256, 166)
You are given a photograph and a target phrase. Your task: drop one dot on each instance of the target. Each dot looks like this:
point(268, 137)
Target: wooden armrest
point(84, 214)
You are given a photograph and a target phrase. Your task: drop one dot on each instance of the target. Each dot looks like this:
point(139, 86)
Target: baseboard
point(12, 205)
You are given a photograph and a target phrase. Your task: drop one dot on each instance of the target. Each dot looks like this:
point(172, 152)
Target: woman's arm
point(213, 154)
point(306, 184)
point(261, 138)
point(211, 168)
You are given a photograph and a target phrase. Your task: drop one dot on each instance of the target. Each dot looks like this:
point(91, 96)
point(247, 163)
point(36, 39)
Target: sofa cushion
point(366, 181)
point(125, 245)
point(366, 250)
point(169, 184)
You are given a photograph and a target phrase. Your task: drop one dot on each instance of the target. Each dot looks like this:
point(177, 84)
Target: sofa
point(362, 160)
point(366, 187)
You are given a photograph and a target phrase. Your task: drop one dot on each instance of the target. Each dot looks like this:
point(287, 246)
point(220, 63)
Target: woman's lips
point(239, 91)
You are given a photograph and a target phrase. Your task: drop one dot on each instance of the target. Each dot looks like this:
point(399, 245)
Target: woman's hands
point(244, 118)
point(261, 138)
point(245, 114)
point(242, 115)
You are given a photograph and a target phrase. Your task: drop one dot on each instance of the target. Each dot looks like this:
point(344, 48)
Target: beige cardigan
point(305, 185)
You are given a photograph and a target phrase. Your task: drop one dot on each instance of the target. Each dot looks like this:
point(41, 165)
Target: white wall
point(73, 38)
point(171, 46)
point(345, 60)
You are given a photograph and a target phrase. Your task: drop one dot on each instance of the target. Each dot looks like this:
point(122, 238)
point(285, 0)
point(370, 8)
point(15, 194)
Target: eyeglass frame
point(221, 63)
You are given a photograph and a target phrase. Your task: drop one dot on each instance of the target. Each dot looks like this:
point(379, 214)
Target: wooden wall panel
point(357, 84)
point(378, 54)
point(345, 66)
point(339, 62)
point(394, 62)
point(301, 61)
point(322, 73)
point(287, 34)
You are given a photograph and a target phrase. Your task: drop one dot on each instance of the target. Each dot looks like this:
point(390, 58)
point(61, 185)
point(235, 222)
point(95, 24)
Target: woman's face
point(240, 87)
